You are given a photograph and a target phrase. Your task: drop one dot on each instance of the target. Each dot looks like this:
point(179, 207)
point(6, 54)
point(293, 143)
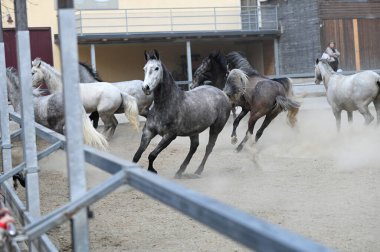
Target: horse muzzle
point(146, 89)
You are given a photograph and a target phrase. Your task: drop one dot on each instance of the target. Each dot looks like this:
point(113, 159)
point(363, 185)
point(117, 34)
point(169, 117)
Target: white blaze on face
point(153, 75)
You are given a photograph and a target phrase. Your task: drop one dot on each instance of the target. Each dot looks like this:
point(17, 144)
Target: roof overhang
point(117, 38)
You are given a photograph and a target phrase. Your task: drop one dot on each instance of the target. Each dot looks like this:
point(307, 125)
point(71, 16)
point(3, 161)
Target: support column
point(27, 113)
point(276, 57)
point(93, 57)
point(73, 106)
point(189, 63)
point(356, 44)
point(4, 113)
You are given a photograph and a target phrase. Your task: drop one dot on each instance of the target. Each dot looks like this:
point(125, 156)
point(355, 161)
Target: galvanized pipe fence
point(239, 226)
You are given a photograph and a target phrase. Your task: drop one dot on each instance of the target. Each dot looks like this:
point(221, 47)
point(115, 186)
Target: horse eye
point(156, 69)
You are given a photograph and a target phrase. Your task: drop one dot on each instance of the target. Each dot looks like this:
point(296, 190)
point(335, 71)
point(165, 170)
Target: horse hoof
point(178, 176)
point(234, 140)
point(238, 149)
point(152, 170)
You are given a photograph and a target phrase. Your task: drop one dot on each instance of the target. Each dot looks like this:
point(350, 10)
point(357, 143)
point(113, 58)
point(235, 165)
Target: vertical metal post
point(27, 112)
point(189, 63)
point(171, 20)
point(80, 23)
point(276, 57)
point(214, 19)
point(259, 21)
point(126, 21)
point(4, 120)
point(73, 122)
point(93, 57)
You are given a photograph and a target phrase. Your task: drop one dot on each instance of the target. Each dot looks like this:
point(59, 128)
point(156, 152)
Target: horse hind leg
point(109, 127)
point(349, 117)
point(268, 119)
point(376, 102)
point(194, 143)
point(210, 146)
point(251, 124)
point(337, 114)
point(368, 118)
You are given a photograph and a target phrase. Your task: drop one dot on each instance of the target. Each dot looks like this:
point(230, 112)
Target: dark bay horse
point(215, 67)
point(265, 98)
point(179, 113)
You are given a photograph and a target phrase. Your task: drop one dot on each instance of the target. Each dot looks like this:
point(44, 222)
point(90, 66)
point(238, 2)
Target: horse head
point(153, 71)
point(236, 83)
point(37, 74)
point(202, 73)
point(321, 66)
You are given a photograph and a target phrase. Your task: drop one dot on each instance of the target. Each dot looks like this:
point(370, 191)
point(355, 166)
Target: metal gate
point(241, 227)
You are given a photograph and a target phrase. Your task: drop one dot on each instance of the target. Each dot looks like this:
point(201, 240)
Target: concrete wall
point(299, 43)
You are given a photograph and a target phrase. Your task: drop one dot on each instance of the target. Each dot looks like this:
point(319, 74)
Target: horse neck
point(52, 79)
point(326, 75)
point(167, 90)
point(85, 76)
point(14, 94)
point(218, 75)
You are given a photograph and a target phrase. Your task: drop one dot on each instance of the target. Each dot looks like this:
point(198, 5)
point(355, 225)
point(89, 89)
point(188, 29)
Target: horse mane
point(220, 59)
point(239, 73)
point(12, 76)
point(91, 71)
point(239, 61)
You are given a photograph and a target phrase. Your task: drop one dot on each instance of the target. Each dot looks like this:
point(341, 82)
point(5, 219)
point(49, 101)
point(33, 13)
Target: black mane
point(239, 61)
point(220, 59)
point(93, 73)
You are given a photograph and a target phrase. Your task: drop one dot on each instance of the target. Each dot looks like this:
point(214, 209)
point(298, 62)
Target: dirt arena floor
point(313, 181)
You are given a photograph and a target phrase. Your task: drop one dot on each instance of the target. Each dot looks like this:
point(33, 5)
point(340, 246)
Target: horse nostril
point(147, 88)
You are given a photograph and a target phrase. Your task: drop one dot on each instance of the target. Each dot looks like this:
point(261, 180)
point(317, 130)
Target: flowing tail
point(90, 135)
point(291, 106)
point(131, 110)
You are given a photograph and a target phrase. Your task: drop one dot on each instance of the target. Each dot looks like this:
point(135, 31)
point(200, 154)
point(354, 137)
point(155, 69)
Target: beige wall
point(126, 61)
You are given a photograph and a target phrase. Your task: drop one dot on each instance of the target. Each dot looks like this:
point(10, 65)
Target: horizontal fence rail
point(241, 227)
point(131, 21)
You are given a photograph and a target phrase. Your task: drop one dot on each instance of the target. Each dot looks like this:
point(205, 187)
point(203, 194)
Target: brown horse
point(263, 98)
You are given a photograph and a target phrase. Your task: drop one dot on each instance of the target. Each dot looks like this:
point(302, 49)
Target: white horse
point(132, 87)
point(98, 96)
point(350, 93)
point(48, 111)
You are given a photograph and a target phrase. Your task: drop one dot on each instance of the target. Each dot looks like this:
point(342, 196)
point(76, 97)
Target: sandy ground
point(311, 180)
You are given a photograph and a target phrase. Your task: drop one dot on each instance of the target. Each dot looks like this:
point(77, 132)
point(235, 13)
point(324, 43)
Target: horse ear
point(156, 54)
point(146, 55)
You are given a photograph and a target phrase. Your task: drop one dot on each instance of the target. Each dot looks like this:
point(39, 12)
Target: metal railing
point(241, 227)
point(217, 19)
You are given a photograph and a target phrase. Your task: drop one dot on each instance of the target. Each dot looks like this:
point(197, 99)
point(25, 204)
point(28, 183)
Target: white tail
point(90, 135)
point(131, 110)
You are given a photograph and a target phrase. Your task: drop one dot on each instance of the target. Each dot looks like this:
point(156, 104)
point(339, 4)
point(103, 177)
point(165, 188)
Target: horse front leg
point(146, 137)
point(349, 117)
point(165, 141)
point(251, 124)
point(236, 124)
point(337, 114)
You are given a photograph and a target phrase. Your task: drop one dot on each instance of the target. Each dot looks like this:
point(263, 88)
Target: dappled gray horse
point(350, 93)
point(49, 111)
point(179, 113)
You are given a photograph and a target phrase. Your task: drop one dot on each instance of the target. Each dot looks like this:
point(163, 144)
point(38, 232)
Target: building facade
point(279, 37)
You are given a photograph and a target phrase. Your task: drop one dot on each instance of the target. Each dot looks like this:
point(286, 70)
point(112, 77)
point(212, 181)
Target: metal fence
point(130, 21)
point(246, 229)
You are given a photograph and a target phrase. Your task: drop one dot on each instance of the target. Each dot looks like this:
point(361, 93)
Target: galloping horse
point(133, 88)
point(98, 96)
point(49, 111)
point(215, 68)
point(265, 98)
point(179, 113)
point(350, 93)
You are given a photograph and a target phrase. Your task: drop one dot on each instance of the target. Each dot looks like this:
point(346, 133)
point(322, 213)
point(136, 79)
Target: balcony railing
point(164, 20)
